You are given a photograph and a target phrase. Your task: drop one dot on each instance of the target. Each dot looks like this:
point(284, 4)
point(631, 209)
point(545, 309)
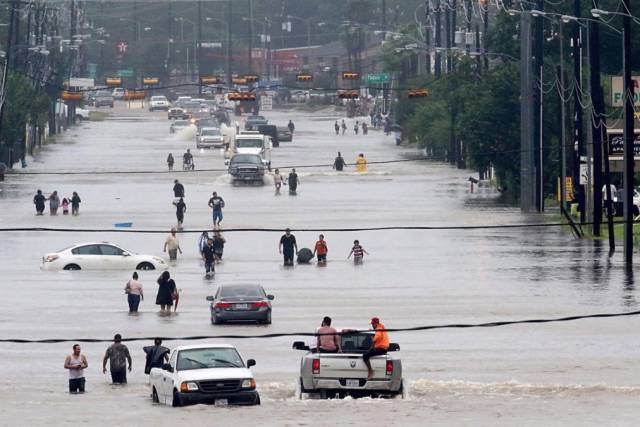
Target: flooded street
point(574, 373)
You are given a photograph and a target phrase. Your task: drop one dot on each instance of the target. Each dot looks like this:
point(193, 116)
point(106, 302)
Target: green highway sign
point(378, 78)
point(125, 73)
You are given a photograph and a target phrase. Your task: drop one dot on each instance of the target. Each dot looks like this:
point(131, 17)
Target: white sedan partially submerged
point(211, 373)
point(100, 256)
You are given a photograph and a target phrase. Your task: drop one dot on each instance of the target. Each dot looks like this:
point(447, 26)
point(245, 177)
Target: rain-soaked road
point(580, 373)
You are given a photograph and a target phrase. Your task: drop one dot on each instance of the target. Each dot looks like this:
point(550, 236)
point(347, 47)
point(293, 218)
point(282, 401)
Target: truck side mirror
point(167, 367)
point(250, 363)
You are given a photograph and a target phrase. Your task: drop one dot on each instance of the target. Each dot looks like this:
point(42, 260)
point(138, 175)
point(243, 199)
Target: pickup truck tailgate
point(350, 366)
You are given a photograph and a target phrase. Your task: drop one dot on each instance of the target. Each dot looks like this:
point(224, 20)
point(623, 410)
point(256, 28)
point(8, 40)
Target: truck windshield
point(204, 358)
point(249, 143)
point(246, 158)
point(210, 132)
point(356, 343)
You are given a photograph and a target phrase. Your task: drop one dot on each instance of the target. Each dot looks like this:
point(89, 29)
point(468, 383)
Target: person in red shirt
point(321, 249)
point(380, 344)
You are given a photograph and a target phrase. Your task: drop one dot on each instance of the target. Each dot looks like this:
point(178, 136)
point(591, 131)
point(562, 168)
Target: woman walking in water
point(166, 290)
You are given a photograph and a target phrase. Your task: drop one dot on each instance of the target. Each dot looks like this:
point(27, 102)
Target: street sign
point(378, 78)
point(617, 90)
point(125, 73)
point(616, 142)
point(266, 103)
point(82, 83)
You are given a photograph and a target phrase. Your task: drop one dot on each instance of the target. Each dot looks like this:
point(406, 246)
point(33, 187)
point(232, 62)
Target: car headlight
point(188, 386)
point(51, 258)
point(249, 383)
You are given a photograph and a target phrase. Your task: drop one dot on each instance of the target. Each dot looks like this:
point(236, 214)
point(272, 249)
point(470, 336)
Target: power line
point(313, 334)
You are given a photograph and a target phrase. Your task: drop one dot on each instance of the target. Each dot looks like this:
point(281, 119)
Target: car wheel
point(154, 396)
point(72, 267)
point(257, 401)
point(145, 266)
point(217, 321)
point(176, 402)
point(267, 319)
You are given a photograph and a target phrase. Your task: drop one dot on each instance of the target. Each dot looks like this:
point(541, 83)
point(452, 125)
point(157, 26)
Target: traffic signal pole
point(629, 136)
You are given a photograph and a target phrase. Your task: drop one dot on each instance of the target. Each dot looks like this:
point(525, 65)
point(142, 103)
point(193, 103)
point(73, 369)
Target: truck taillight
point(389, 367)
point(315, 366)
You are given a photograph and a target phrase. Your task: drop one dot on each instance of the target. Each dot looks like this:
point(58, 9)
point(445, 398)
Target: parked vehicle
point(176, 113)
point(205, 373)
point(209, 137)
point(118, 93)
point(99, 256)
point(179, 125)
point(246, 168)
point(158, 103)
point(271, 132)
point(233, 303)
point(342, 374)
point(82, 114)
point(103, 98)
point(284, 134)
point(252, 122)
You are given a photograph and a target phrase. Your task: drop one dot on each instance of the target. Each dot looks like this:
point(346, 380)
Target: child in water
point(358, 252)
point(65, 206)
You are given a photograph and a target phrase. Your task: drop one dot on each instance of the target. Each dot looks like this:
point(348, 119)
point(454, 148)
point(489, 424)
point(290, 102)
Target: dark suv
point(247, 168)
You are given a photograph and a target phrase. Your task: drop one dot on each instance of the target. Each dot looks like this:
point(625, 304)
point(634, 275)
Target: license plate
point(221, 402)
point(241, 306)
point(353, 383)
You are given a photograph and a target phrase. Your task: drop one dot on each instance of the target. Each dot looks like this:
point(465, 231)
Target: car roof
point(92, 243)
point(202, 346)
point(241, 285)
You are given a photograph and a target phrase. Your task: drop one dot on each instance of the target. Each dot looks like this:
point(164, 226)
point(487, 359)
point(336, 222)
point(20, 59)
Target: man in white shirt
point(172, 244)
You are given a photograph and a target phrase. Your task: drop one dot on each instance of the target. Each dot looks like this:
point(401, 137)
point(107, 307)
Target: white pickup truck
point(212, 373)
point(342, 374)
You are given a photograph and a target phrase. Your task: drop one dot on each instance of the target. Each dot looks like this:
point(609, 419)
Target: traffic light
point(350, 75)
point(209, 80)
point(418, 93)
point(132, 95)
point(251, 78)
point(71, 96)
point(113, 81)
point(304, 77)
point(348, 94)
point(242, 96)
point(150, 81)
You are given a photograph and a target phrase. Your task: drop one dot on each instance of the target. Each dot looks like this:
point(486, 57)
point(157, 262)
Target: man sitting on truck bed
point(380, 344)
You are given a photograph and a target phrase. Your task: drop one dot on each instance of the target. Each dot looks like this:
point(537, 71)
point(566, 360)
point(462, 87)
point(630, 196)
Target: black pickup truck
point(247, 168)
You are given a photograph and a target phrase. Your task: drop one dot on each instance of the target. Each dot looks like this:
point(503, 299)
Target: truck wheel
point(154, 396)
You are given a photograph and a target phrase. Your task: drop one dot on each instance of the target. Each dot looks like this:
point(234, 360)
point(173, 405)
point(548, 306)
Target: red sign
point(122, 46)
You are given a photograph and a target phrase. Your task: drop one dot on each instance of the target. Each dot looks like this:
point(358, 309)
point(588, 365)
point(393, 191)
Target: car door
point(167, 379)
point(112, 257)
point(88, 257)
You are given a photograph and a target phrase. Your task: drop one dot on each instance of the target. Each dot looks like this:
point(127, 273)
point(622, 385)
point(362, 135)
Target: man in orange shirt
point(321, 249)
point(380, 344)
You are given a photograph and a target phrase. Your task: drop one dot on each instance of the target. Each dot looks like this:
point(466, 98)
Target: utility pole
point(596, 122)
point(384, 15)
point(629, 136)
point(452, 32)
point(136, 39)
point(72, 32)
point(229, 26)
point(577, 108)
point(199, 48)
point(527, 169)
point(563, 124)
point(485, 30)
point(447, 40)
point(250, 52)
point(438, 35)
point(427, 37)
point(169, 44)
point(538, 53)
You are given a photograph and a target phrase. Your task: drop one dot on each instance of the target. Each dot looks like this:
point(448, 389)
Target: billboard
point(617, 91)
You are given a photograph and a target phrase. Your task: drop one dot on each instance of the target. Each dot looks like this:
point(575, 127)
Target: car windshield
point(158, 98)
point(103, 93)
point(192, 105)
point(180, 123)
point(203, 358)
point(249, 143)
point(356, 342)
point(210, 132)
point(242, 291)
point(255, 119)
